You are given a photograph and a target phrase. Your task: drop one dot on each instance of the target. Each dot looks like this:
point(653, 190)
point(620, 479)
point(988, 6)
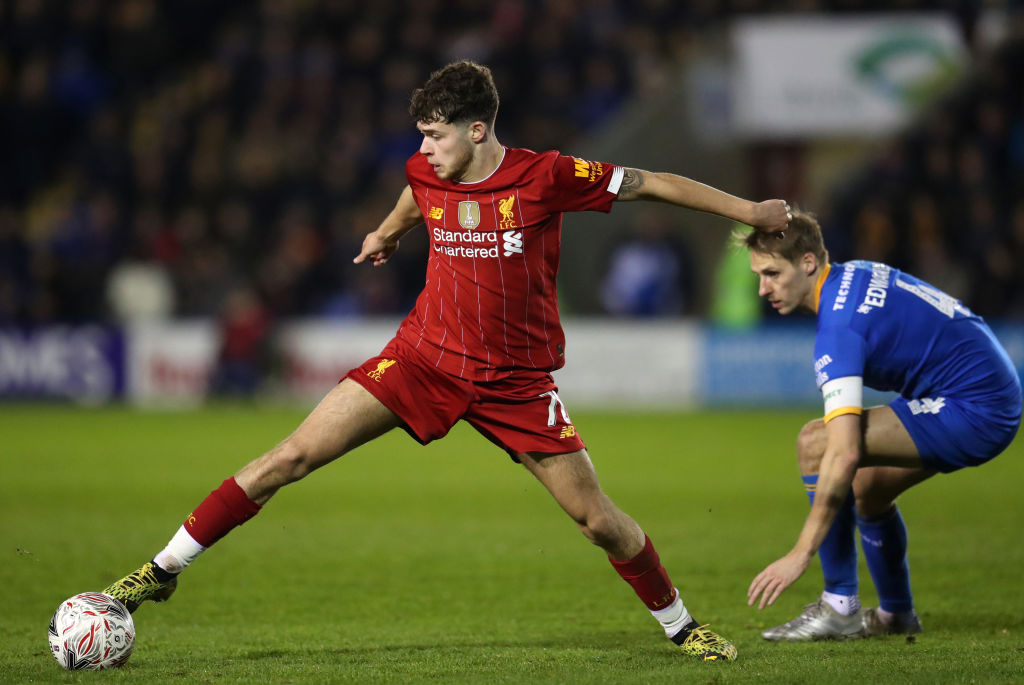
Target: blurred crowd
point(200, 158)
point(946, 199)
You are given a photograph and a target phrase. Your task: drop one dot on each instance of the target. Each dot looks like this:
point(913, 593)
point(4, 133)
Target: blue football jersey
point(899, 333)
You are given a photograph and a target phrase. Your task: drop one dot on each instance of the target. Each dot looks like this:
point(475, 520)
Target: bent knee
point(871, 501)
point(873, 507)
point(597, 527)
point(287, 463)
point(810, 446)
point(608, 528)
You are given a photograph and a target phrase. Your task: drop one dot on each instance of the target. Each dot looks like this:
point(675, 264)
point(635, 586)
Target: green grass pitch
point(449, 564)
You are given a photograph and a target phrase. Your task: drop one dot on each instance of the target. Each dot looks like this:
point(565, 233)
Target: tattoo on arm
point(632, 180)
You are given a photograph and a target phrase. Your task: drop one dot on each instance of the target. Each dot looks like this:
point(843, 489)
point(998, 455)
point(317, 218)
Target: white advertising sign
point(840, 75)
point(630, 364)
point(171, 362)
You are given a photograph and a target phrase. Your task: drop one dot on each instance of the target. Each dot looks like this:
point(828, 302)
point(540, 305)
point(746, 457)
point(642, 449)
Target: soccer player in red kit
point(481, 342)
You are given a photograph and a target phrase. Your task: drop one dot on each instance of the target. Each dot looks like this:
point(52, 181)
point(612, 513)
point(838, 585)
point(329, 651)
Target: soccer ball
point(91, 631)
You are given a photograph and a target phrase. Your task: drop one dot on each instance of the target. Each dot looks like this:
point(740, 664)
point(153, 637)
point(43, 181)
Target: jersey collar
point(493, 171)
point(819, 285)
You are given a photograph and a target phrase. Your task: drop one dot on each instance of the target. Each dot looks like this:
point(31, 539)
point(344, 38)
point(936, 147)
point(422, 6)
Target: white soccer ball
point(91, 631)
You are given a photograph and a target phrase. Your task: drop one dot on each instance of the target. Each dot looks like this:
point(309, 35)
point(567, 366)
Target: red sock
point(226, 507)
point(648, 577)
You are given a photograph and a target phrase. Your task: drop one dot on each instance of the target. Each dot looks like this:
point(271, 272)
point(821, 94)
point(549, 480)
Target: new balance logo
point(513, 242)
point(567, 432)
point(926, 405)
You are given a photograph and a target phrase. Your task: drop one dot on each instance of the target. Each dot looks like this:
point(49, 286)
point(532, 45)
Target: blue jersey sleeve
point(839, 352)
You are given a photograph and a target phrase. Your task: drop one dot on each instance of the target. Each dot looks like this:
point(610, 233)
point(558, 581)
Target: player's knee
point(608, 528)
point(871, 502)
point(288, 462)
point(601, 537)
point(810, 446)
point(874, 508)
point(596, 526)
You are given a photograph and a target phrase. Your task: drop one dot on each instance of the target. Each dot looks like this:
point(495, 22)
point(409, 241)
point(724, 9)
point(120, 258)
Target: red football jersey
point(489, 305)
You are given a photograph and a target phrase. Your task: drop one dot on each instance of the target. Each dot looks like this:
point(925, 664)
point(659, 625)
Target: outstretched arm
point(770, 215)
point(835, 476)
point(379, 245)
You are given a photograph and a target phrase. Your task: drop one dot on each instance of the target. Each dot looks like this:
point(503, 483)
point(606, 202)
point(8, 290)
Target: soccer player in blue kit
point(959, 405)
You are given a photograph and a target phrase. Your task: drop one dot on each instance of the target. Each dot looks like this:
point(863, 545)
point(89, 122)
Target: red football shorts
point(520, 413)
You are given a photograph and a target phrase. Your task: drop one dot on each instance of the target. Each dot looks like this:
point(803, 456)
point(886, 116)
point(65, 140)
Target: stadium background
point(184, 183)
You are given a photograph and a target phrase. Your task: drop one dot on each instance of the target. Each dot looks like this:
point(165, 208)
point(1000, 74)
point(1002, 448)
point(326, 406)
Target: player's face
point(785, 285)
point(448, 148)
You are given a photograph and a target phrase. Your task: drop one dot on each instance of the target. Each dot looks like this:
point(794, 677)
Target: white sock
point(847, 605)
point(181, 551)
point(673, 617)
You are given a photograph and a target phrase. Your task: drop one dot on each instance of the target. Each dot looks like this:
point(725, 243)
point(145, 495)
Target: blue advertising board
point(78, 363)
point(759, 366)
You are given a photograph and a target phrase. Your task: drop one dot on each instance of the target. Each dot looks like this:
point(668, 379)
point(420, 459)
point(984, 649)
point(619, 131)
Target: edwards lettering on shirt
point(881, 328)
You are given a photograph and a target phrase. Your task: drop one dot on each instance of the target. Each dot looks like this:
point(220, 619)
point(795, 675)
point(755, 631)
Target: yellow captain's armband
point(843, 396)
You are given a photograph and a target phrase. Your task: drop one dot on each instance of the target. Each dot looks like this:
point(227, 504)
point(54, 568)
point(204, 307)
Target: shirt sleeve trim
point(843, 396)
point(842, 410)
point(616, 181)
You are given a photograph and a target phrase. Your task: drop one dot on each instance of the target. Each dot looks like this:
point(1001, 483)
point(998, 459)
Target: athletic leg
point(836, 614)
point(838, 551)
point(891, 465)
point(572, 481)
point(347, 417)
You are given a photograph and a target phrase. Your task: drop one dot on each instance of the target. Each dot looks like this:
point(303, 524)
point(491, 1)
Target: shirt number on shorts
point(555, 401)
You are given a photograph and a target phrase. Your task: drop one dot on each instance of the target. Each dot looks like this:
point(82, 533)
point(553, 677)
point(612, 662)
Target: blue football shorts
point(952, 433)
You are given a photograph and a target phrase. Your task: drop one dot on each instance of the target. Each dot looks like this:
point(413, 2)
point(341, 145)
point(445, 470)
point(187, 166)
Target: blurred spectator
point(735, 302)
point(1016, 259)
point(648, 272)
point(874, 233)
point(140, 291)
point(930, 258)
point(15, 275)
point(244, 359)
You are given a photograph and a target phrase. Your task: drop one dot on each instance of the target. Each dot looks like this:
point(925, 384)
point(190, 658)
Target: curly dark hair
point(461, 92)
point(803, 235)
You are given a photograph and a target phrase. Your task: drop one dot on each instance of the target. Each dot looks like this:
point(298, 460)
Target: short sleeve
point(839, 352)
point(578, 185)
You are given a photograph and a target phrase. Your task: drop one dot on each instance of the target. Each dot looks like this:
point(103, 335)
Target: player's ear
point(809, 263)
point(477, 131)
